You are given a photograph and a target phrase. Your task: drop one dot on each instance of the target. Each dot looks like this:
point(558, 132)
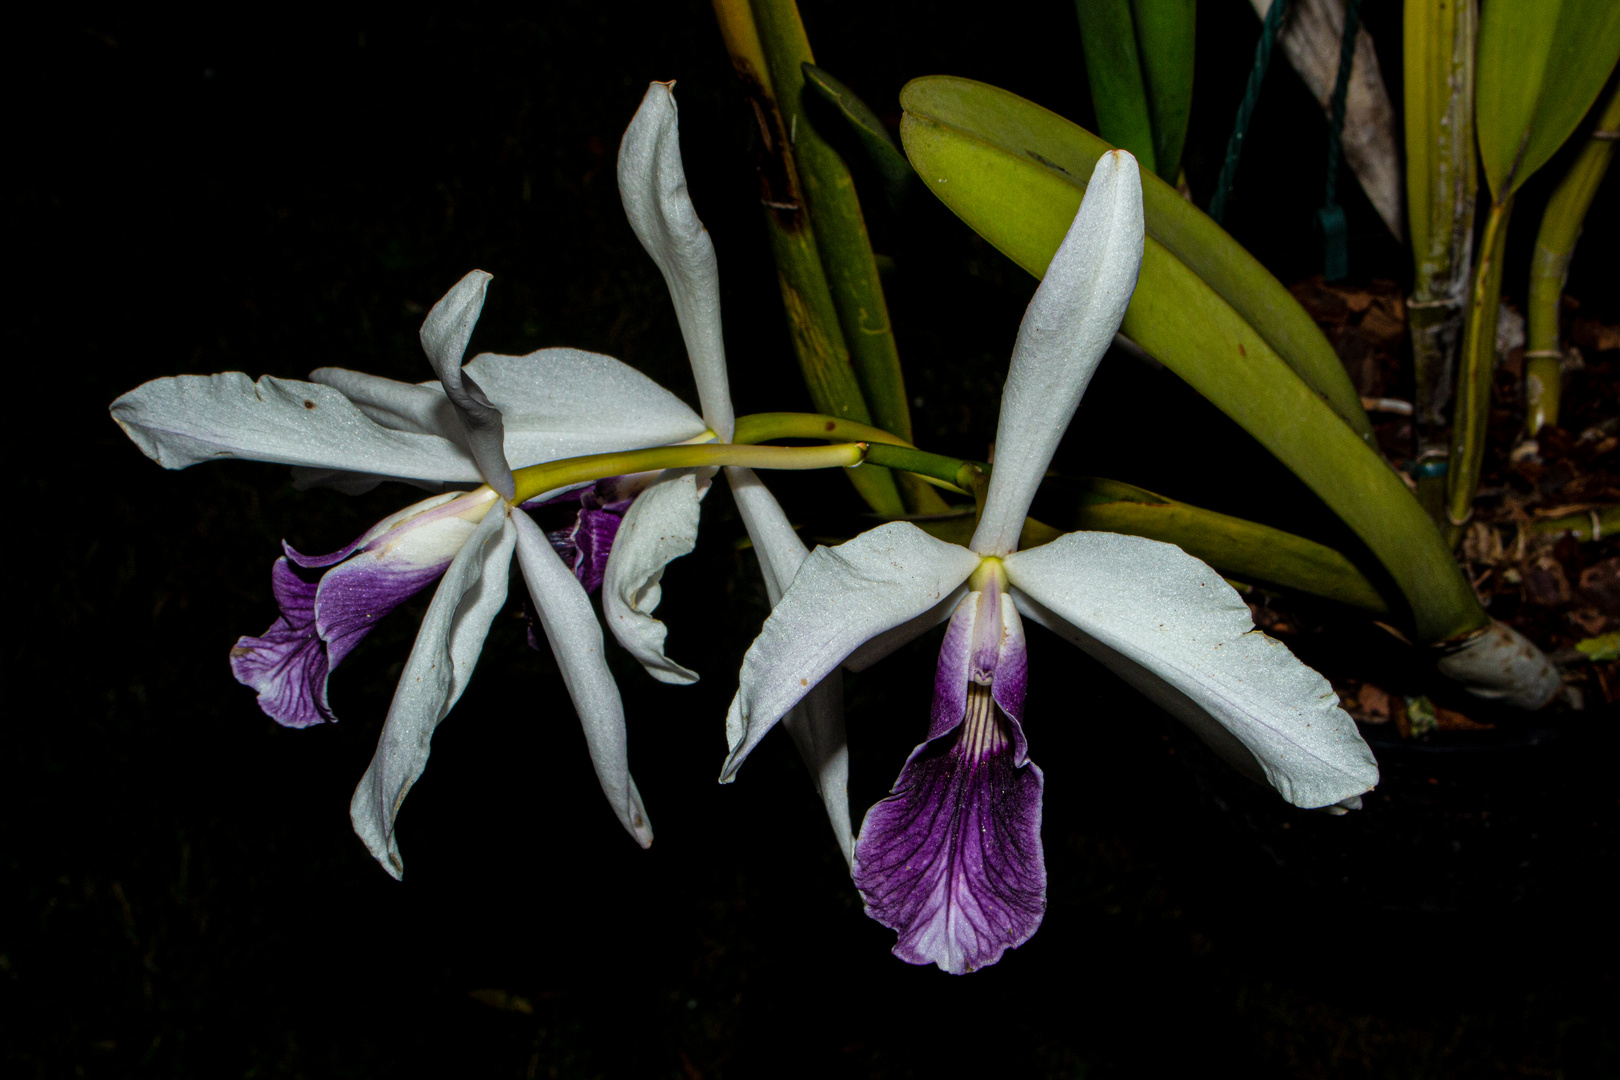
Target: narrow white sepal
point(186, 419)
point(470, 595)
point(779, 548)
point(1066, 329)
point(660, 527)
point(445, 334)
point(1163, 610)
point(815, 724)
point(840, 598)
point(652, 183)
point(575, 637)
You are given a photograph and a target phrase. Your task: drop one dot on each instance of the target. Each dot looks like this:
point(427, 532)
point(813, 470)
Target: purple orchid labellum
point(952, 859)
point(585, 541)
point(329, 603)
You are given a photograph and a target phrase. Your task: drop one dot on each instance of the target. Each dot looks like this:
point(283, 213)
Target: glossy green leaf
point(1008, 126)
point(1016, 174)
point(887, 157)
point(1118, 92)
point(1165, 31)
point(1541, 65)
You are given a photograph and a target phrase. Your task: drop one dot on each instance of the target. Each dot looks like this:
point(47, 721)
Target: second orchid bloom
point(952, 860)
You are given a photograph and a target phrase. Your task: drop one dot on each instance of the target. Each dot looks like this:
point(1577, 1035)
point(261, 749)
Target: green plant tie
point(1335, 242)
point(1251, 94)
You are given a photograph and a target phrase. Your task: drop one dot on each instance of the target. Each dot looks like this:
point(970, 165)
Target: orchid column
point(952, 859)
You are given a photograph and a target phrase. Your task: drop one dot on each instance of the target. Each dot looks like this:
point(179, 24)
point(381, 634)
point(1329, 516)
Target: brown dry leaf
point(1545, 583)
point(1451, 720)
point(1372, 704)
point(1600, 583)
point(1593, 335)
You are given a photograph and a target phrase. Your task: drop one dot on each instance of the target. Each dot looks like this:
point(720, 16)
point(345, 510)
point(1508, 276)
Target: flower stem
point(569, 472)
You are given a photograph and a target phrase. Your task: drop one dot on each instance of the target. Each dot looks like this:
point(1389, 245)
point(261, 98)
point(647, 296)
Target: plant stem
point(1441, 179)
point(1470, 422)
point(536, 480)
point(1549, 266)
point(812, 315)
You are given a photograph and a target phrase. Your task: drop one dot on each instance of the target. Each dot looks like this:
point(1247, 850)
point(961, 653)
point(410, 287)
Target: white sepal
point(652, 183)
point(1066, 329)
point(571, 628)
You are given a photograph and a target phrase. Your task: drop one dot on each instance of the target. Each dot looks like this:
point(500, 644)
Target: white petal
point(840, 598)
point(660, 527)
point(560, 403)
point(1164, 611)
point(652, 184)
point(817, 727)
point(401, 406)
point(779, 548)
point(1066, 329)
point(182, 420)
point(442, 660)
point(907, 632)
point(576, 641)
point(445, 333)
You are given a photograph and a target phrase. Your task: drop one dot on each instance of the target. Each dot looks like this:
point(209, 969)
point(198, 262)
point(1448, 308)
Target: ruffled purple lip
point(328, 605)
point(952, 859)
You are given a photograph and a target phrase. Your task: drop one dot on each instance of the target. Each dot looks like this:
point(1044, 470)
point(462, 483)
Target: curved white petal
point(840, 598)
point(419, 407)
point(907, 632)
point(1066, 329)
point(778, 546)
point(816, 724)
point(185, 419)
point(442, 660)
point(652, 184)
point(576, 641)
point(660, 527)
point(1164, 611)
point(445, 333)
point(561, 403)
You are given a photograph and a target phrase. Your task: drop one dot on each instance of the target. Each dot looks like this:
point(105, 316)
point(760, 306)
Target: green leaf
point(1118, 93)
point(1232, 545)
point(880, 147)
point(1165, 31)
point(1016, 174)
point(1541, 66)
point(1017, 136)
point(1601, 649)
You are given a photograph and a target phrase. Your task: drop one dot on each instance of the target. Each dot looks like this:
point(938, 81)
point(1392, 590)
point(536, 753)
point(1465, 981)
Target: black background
point(280, 188)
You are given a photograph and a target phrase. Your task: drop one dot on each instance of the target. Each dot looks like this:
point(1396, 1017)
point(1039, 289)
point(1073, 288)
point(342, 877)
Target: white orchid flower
point(952, 858)
point(464, 430)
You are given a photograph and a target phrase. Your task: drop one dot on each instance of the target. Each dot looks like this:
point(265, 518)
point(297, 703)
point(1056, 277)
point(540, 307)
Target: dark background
point(276, 189)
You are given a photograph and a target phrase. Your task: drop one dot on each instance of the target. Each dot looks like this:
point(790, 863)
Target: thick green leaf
point(1009, 187)
point(1118, 93)
point(880, 147)
point(1033, 136)
point(1165, 31)
point(1541, 65)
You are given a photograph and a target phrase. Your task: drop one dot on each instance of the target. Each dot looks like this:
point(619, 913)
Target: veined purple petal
point(327, 609)
point(952, 859)
point(585, 540)
point(287, 663)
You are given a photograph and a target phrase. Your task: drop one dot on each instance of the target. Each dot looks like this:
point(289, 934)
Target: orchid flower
point(464, 430)
point(952, 859)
